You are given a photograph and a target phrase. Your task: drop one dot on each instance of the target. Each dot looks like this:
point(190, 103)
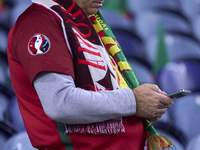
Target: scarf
point(155, 141)
point(94, 70)
point(79, 31)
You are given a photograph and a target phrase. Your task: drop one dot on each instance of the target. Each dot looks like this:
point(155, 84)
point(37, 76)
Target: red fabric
point(132, 139)
point(24, 67)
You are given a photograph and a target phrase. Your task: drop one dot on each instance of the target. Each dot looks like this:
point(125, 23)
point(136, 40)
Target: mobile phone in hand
point(179, 93)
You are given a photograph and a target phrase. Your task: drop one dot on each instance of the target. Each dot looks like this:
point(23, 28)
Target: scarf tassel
point(156, 141)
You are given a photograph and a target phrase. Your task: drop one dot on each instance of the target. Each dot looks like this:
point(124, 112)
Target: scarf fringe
point(111, 127)
point(156, 142)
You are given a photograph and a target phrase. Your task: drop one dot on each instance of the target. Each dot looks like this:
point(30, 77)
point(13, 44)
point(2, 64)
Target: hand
point(151, 102)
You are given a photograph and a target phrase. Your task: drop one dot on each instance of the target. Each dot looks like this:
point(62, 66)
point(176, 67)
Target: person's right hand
point(151, 102)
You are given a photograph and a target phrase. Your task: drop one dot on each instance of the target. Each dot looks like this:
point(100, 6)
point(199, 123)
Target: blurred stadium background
point(161, 39)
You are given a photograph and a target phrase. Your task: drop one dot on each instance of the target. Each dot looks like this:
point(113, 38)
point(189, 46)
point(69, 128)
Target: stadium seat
point(191, 8)
point(142, 71)
point(6, 131)
point(166, 118)
point(19, 141)
point(18, 8)
point(3, 41)
point(147, 22)
point(132, 47)
point(111, 17)
point(130, 42)
point(185, 115)
point(179, 45)
point(2, 75)
point(195, 26)
point(5, 96)
point(4, 103)
point(15, 115)
point(179, 75)
point(138, 6)
point(194, 143)
point(4, 18)
point(3, 67)
point(4, 71)
point(173, 133)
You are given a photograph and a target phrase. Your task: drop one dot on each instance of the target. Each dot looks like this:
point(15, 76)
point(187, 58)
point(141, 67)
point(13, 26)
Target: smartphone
point(179, 93)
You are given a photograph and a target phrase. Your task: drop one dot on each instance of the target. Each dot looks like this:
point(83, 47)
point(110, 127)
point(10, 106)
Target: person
point(70, 92)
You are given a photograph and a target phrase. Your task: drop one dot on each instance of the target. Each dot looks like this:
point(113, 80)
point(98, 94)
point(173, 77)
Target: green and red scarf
point(155, 141)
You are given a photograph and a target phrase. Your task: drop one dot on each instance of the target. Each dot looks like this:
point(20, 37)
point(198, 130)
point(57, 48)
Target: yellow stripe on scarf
point(114, 50)
point(122, 83)
point(97, 26)
point(123, 65)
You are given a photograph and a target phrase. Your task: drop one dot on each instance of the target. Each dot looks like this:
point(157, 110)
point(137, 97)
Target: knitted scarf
point(155, 141)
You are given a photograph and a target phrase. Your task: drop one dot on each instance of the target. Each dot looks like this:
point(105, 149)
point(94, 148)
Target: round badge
point(38, 44)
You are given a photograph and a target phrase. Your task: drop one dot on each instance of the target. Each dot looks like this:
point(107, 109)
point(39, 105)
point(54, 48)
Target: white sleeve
point(63, 102)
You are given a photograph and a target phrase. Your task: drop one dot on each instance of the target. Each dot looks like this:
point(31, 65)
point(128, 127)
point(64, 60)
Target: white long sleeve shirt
point(62, 101)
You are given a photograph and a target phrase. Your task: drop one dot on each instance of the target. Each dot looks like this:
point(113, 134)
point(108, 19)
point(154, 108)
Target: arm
point(63, 102)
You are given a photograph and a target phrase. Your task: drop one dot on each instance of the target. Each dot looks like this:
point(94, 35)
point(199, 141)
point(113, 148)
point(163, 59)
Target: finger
point(160, 112)
point(164, 93)
point(167, 101)
point(161, 106)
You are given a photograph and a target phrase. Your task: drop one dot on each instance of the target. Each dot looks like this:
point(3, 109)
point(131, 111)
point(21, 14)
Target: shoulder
point(36, 19)
point(37, 15)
